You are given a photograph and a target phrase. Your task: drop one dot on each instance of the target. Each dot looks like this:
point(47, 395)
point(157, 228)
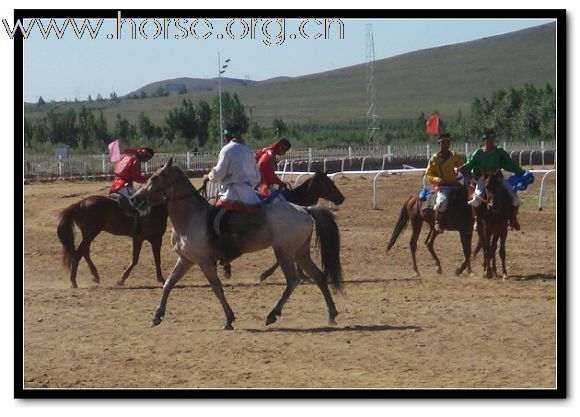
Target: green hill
point(446, 79)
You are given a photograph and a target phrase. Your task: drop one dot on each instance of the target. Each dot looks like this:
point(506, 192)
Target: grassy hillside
point(445, 79)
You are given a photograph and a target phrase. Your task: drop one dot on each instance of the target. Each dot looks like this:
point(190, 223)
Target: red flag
point(432, 127)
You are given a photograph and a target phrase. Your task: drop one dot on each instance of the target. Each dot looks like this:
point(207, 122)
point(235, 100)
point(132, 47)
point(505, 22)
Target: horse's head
point(158, 187)
point(498, 199)
point(323, 187)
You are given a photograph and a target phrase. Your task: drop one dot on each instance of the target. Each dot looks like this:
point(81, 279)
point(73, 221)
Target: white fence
point(97, 166)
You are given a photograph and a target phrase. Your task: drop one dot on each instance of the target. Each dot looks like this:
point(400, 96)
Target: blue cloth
point(424, 194)
point(521, 182)
point(271, 196)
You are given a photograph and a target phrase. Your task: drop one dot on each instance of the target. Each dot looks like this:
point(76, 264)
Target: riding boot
point(514, 219)
point(227, 248)
point(438, 216)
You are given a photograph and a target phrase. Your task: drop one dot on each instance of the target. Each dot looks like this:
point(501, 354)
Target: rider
point(237, 174)
point(266, 160)
point(441, 174)
point(127, 170)
point(488, 159)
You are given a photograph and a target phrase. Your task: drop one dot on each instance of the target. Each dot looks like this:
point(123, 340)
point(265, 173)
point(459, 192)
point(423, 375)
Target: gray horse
point(286, 228)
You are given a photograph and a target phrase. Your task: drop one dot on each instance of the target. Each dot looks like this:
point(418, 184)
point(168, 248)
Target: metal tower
point(372, 124)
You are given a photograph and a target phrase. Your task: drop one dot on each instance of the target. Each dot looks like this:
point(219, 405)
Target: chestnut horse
point(458, 217)
point(492, 220)
point(98, 213)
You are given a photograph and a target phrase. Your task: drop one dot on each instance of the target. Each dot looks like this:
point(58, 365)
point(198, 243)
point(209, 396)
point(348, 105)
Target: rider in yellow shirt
point(442, 175)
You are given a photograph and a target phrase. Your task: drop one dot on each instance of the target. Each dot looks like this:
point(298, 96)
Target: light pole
point(221, 70)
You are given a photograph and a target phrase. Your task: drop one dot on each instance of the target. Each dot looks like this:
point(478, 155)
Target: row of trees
point(185, 127)
point(516, 114)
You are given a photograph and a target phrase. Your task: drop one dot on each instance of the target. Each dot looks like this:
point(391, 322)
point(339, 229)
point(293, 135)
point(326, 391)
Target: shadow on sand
point(328, 329)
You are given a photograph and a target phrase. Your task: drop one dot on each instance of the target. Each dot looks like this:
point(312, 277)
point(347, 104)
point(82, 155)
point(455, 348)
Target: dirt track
point(393, 330)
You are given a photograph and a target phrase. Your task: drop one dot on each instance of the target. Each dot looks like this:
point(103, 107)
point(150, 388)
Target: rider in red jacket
point(128, 169)
point(266, 160)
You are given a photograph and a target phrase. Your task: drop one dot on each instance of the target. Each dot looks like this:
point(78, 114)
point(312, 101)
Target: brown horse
point(458, 217)
point(96, 214)
point(492, 224)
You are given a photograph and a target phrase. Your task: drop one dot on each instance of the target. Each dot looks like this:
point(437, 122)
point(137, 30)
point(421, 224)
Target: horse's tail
point(328, 240)
point(66, 235)
point(401, 224)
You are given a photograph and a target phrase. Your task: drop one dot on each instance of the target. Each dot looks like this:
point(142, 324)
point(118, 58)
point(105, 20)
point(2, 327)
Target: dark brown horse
point(96, 214)
point(458, 217)
point(306, 194)
point(492, 224)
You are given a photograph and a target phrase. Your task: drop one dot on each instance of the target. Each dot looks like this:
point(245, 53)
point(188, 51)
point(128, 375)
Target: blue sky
point(67, 68)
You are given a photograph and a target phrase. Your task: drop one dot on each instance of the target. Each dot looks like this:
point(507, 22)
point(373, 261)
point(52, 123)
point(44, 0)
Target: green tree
point(123, 129)
point(279, 127)
point(203, 112)
point(234, 113)
point(182, 121)
point(146, 127)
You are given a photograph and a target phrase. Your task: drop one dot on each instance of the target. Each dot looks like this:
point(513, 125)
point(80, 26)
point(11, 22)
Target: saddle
point(129, 211)
point(227, 226)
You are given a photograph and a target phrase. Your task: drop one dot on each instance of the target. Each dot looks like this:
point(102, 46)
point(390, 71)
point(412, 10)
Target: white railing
point(95, 166)
point(379, 173)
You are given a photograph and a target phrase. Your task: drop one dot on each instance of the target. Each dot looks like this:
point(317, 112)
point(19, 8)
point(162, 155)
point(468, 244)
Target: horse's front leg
point(502, 240)
point(209, 269)
point(179, 270)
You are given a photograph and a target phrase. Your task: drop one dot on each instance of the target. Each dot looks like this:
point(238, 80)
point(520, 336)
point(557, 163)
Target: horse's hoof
point(439, 270)
point(228, 327)
point(161, 281)
point(156, 321)
point(263, 277)
point(73, 285)
point(120, 284)
point(270, 319)
point(417, 274)
point(458, 272)
point(331, 321)
point(96, 280)
point(505, 277)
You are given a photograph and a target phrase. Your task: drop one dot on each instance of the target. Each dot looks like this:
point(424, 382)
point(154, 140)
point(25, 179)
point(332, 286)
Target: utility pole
point(372, 108)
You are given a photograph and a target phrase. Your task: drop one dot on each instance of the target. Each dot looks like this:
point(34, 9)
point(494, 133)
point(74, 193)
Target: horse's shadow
point(328, 329)
point(533, 277)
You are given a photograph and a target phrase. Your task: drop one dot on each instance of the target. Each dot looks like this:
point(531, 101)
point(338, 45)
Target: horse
point(286, 228)
point(492, 224)
point(97, 213)
point(457, 217)
point(306, 194)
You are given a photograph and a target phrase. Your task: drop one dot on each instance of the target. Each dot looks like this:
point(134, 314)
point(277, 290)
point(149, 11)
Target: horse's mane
point(500, 192)
point(181, 173)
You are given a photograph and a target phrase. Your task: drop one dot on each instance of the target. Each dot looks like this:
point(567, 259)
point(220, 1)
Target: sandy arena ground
point(393, 330)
